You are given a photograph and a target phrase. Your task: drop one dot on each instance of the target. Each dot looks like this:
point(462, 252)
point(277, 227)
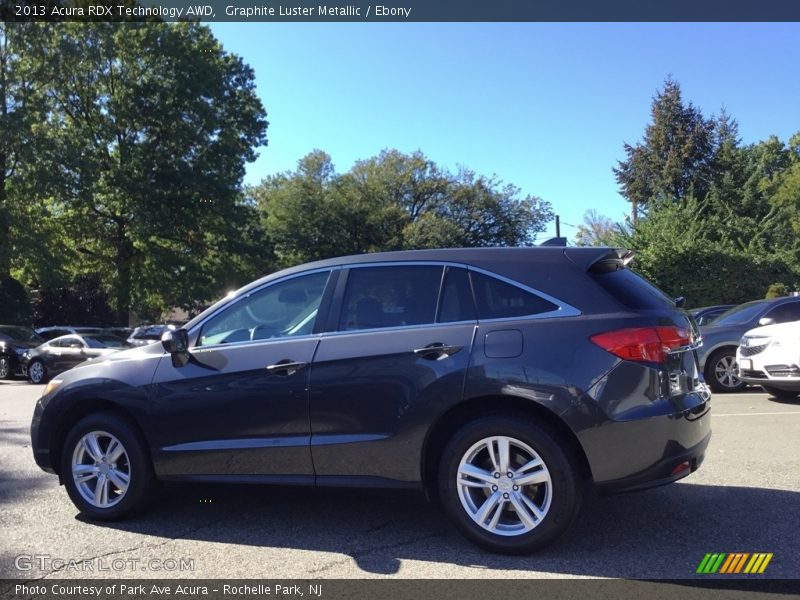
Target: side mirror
point(176, 342)
point(680, 301)
point(763, 321)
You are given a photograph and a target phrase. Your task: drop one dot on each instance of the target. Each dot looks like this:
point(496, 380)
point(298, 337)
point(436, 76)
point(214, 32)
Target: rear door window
point(390, 296)
point(785, 312)
point(456, 303)
point(497, 299)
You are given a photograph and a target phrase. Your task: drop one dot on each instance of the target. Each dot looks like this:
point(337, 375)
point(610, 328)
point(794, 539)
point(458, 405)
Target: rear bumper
point(671, 468)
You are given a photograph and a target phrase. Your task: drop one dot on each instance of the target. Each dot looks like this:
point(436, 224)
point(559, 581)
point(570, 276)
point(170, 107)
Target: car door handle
point(285, 367)
point(437, 351)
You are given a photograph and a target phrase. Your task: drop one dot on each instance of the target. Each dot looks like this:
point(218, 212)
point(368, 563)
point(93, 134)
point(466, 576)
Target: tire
point(37, 372)
point(133, 464)
point(5, 368)
point(779, 394)
point(555, 492)
point(719, 374)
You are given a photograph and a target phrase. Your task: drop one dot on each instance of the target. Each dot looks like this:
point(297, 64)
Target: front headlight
point(51, 386)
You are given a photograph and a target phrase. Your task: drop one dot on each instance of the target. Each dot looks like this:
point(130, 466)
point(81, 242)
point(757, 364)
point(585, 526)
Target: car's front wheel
point(721, 371)
point(106, 467)
point(37, 373)
point(780, 394)
point(508, 484)
point(5, 368)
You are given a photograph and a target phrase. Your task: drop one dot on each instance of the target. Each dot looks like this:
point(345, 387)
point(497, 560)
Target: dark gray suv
point(503, 381)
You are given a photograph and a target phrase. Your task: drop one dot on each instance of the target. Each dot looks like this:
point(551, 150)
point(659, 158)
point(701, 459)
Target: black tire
point(565, 486)
point(142, 482)
point(779, 394)
point(720, 384)
point(31, 371)
point(5, 368)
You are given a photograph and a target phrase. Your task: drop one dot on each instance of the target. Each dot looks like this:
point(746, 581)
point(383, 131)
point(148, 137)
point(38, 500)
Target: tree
point(388, 202)
point(673, 159)
point(150, 128)
point(597, 230)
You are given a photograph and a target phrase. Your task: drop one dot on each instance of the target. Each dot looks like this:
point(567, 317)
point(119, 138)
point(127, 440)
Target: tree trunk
point(122, 294)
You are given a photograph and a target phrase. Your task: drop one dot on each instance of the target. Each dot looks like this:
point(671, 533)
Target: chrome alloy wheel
point(726, 371)
point(36, 372)
point(504, 486)
point(101, 469)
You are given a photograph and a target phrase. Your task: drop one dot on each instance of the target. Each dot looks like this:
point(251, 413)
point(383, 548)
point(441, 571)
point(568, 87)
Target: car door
point(394, 356)
point(69, 352)
point(239, 408)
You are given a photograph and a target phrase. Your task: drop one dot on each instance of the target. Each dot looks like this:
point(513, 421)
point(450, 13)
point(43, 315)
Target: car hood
point(778, 330)
point(19, 344)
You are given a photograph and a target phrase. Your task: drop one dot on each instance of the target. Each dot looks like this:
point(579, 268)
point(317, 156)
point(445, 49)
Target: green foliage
point(389, 202)
point(777, 290)
point(15, 305)
point(148, 131)
point(84, 302)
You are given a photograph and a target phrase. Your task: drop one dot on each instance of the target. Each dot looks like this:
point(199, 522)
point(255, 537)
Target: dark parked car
point(721, 339)
point(15, 341)
point(148, 334)
point(51, 332)
point(707, 314)
point(501, 380)
point(58, 355)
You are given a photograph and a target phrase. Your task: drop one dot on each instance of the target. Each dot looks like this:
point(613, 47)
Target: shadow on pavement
point(660, 533)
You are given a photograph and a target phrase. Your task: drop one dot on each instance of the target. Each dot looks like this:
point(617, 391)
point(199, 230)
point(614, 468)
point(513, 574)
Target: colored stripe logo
point(734, 563)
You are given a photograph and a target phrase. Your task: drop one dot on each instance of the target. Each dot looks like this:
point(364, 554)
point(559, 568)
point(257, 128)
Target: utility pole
point(558, 226)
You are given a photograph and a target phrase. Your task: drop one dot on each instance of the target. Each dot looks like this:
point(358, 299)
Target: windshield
point(19, 334)
point(739, 315)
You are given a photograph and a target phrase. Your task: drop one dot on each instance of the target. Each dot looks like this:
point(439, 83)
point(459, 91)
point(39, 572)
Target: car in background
point(721, 339)
point(15, 341)
point(148, 334)
point(63, 353)
point(707, 314)
point(53, 331)
point(770, 357)
point(120, 332)
point(505, 381)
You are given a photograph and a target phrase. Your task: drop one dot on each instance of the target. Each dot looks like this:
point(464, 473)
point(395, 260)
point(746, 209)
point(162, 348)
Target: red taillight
point(648, 344)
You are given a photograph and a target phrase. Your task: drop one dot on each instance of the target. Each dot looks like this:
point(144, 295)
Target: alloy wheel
point(725, 370)
point(101, 469)
point(5, 368)
point(36, 372)
point(504, 486)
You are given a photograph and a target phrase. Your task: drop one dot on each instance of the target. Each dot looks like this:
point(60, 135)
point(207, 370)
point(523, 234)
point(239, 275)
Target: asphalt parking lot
point(745, 498)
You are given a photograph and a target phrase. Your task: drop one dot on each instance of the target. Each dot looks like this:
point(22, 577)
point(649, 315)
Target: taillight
point(647, 344)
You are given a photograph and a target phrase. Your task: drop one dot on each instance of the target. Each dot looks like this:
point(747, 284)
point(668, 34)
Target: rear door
point(395, 355)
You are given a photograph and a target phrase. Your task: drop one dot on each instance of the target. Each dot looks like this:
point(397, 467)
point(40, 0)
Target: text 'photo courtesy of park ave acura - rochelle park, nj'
point(370, 309)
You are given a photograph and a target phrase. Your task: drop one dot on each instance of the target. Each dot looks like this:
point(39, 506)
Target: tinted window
point(457, 303)
point(739, 315)
point(633, 291)
point(785, 313)
point(287, 308)
point(497, 299)
point(105, 341)
point(9, 333)
point(70, 342)
point(390, 297)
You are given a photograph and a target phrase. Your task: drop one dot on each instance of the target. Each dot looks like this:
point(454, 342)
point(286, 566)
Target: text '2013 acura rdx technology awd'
point(503, 381)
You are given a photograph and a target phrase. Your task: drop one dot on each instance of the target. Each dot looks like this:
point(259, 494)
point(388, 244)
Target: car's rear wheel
point(5, 368)
point(721, 371)
point(37, 373)
point(106, 468)
point(508, 484)
point(780, 394)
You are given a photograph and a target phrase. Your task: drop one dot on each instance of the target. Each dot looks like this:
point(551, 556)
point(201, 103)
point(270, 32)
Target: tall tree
point(675, 156)
point(150, 128)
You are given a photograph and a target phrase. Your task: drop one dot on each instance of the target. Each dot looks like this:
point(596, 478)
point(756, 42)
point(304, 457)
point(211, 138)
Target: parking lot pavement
point(745, 498)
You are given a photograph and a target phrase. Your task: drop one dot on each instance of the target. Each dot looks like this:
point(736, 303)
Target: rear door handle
point(285, 367)
point(437, 351)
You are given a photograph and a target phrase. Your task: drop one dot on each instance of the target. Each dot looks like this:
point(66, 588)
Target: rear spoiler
point(600, 260)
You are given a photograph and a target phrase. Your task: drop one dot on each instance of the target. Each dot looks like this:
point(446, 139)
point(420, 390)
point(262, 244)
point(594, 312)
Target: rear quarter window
point(632, 290)
point(497, 299)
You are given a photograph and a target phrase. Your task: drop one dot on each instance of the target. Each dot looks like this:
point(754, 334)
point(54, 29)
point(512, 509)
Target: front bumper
point(774, 367)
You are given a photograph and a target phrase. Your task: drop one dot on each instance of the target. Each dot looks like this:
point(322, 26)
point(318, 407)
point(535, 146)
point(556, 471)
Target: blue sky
point(546, 107)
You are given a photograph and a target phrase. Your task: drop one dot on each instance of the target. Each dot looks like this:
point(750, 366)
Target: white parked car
point(769, 356)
